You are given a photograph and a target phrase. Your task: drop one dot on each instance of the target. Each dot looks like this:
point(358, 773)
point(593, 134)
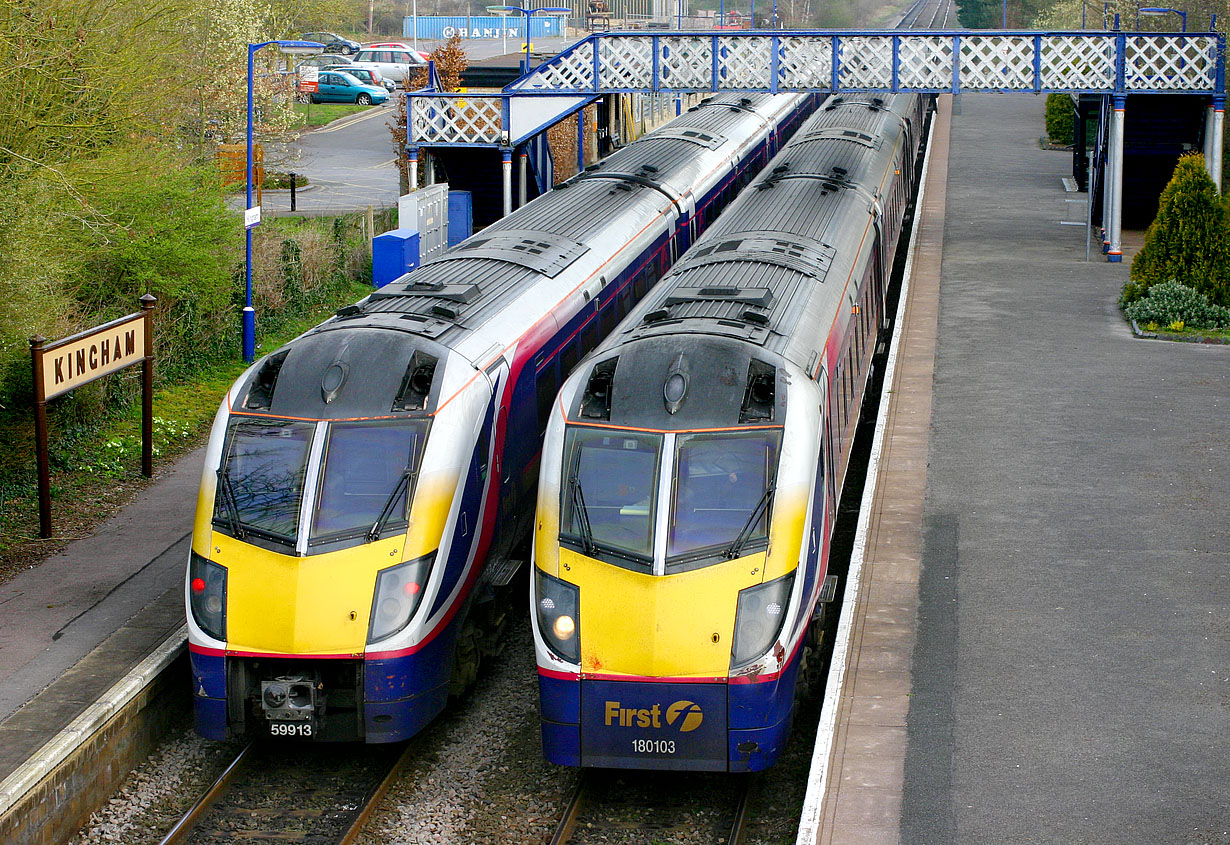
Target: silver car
point(390, 62)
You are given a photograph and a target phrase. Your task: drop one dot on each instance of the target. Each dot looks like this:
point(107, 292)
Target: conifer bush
point(1187, 241)
point(1170, 302)
point(1060, 120)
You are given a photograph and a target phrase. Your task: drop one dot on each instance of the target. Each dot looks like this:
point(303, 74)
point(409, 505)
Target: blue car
point(335, 86)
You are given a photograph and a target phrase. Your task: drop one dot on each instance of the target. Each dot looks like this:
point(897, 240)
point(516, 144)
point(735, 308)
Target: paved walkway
point(76, 624)
point(1067, 644)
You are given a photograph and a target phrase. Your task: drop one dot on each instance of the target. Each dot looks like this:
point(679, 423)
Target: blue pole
point(527, 39)
point(249, 315)
point(1004, 25)
point(722, 13)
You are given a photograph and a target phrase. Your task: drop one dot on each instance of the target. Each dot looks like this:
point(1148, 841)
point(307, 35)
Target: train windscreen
point(723, 488)
point(610, 492)
point(366, 478)
point(260, 481)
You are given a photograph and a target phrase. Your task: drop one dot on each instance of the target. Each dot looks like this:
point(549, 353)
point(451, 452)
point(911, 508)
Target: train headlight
point(207, 595)
point(399, 590)
point(556, 604)
point(762, 610)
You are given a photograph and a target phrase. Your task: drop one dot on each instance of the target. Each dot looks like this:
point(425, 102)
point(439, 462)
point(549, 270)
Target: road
point(351, 163)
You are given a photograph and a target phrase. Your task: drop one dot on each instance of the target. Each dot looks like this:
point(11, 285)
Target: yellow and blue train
point(365, 484)
point(692, 464)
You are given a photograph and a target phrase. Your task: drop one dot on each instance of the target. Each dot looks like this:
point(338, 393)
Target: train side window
point(589, 335)
point(569, 356)
point(625, 301)
point(546, 386)
point(608, 316)
point(641, 284)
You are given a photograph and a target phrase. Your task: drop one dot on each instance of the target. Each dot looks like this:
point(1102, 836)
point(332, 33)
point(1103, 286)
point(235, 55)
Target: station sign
point(64, 365)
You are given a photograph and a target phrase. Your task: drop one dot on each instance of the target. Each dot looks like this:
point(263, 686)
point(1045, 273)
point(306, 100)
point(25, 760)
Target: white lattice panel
point(573, 70)
point(804, 61)
point(925, 62)
point(1162, 63)
point(1020, 61)
point(1083, 62)
point(866, 62)
point(743, 62)
point(686, 62)
point(625, 62)
point(997, 63)
point(454, 120)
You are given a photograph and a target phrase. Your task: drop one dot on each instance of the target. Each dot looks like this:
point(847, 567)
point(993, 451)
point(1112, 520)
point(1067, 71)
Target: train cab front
point(666, 561)
point(318, 524)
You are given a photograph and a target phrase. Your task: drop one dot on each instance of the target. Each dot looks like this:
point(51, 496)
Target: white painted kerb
point(17, 785)
point(817, 782)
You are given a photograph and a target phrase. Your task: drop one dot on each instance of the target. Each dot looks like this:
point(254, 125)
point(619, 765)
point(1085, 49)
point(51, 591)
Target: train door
point(879, 279)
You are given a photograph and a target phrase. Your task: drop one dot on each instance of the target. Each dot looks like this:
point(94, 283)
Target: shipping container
point(443, 27)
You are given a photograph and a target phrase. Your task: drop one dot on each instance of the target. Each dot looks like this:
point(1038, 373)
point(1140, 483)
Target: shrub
point(1172, 304)
point(1060, 118)
point(1187, 241)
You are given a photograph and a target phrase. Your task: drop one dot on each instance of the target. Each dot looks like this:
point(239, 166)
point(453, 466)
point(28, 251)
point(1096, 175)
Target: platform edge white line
point(817, 782)
point(57, 749)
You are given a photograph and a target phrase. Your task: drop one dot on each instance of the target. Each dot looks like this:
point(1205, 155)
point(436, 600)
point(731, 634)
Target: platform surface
point(1045, 651)
point(73, 626)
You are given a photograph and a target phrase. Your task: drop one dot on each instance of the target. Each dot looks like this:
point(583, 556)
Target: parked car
point(333, 42)
point(336, 86)
point(400, 45)
point(314, 63)
point(367, 76)
point(393, 63)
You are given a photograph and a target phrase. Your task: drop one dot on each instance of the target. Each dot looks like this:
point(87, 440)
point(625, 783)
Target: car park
point(333, 42)
point(393, 63)
point(335, 86)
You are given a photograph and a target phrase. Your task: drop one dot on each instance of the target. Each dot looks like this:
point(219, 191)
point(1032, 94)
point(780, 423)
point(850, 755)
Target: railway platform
point(77, 631)
point(1039, 648)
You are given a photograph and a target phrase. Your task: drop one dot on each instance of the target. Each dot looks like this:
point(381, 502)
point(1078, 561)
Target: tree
point(450, 61)
point(1187, 241)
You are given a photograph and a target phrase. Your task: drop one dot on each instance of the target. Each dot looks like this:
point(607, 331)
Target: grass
point(321, 113)
point(1185, 333)
point(96, 471)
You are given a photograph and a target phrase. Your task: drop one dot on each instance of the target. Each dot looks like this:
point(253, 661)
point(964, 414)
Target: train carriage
point(365, 484)
point(691, 469)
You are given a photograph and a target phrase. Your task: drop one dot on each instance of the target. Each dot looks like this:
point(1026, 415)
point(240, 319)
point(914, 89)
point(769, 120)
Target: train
point(366, 484)
point(692, 464)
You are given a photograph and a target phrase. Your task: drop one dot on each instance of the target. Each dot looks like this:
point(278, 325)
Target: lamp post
point(529, 13)
point(1158, 10)
point(252, 216)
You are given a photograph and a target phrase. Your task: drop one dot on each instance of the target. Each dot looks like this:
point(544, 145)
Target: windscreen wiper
point(230, 505)
point(732, 551)
point(386, 512)
point(581, 514)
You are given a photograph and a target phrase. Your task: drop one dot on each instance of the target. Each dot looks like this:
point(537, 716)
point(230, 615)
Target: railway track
point(929, 14)
point(640, 808)
point(302, 793)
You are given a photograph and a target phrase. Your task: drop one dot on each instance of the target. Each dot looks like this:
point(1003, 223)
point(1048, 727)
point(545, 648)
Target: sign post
point(67, 364)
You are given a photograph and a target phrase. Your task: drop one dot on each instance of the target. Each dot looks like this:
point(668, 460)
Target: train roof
point(455, 295)
point(772, 270)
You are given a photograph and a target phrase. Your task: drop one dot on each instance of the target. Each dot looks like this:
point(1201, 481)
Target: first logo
point(687, 713)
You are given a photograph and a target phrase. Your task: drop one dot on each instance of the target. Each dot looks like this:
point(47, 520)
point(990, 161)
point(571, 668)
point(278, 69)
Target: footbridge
point(1113, 64)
